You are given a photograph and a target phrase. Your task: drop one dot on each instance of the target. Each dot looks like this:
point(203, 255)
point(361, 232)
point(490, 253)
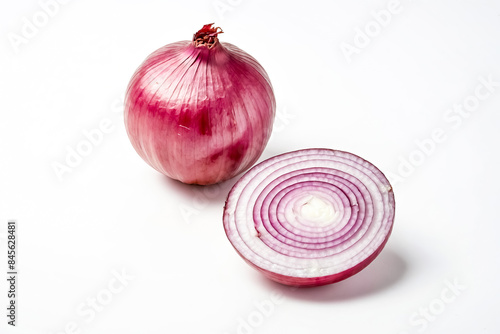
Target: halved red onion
point(310, 217)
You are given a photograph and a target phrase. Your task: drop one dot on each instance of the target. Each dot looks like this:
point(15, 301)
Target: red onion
point(200, 111)
point(310, 217)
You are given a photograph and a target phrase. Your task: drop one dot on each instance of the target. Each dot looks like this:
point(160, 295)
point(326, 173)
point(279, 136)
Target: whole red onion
point(200, 111)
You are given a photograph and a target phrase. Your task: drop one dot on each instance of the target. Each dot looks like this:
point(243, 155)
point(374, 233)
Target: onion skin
point(200, 111)
point(265, 222)
point(318, 281)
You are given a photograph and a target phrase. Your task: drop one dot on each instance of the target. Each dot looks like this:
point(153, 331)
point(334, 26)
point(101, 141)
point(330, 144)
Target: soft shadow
point(270, 152)
point(204, 194)
point(385, 271)
point(215, 192)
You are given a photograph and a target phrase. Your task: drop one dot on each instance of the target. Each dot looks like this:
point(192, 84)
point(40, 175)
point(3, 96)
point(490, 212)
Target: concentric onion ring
point(310, 217)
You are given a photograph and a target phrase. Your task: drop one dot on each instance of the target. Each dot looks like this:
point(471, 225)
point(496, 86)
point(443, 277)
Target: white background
point(114, 213)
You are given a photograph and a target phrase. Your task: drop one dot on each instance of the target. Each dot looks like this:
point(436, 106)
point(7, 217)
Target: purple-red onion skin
point(305, 282)
point(200, 115)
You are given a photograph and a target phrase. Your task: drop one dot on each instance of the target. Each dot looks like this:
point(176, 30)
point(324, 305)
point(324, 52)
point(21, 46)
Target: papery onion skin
point(260, 238)
point(200, 111)
point(321, 280)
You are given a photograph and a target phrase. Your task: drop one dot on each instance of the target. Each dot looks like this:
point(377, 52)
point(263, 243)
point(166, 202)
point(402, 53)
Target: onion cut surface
point(310, 217)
